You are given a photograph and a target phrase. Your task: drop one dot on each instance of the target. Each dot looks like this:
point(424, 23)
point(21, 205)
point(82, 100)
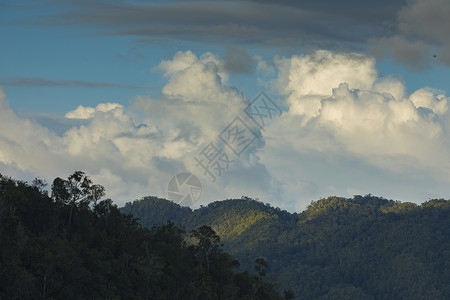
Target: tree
point(208, 240)
point(95, 193)
point(109, 256)
point(40, 184)
point(77, 189)
point(261, 266)
point(60, 193)
point(288, 294)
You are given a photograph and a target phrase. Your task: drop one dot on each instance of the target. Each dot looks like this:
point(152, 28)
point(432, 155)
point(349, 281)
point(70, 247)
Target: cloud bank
point(344, 121)
point(345, 130)
point(41, 82)
point(420, 35)
point(410, 32)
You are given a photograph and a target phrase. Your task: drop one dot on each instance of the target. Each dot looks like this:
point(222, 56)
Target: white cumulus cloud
point(134, 151)
point(345, 130)
point(306, 80)
point(349, 131)
point(83, 112)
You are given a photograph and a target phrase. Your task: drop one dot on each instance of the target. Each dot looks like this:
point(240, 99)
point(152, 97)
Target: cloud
point(306, 80)
point(415, 54)
point(237, 61)
point(179, 62)
point(41, 82)
point(345, 131)
point(23, 143)
point(107, 144)
point(54, 122)
point(263, 66)
point(134, 151)
point(349, 130)
point(433, 100)
point(409, 32)
point(195, 96)
point(197, 107)
point(427, 19)
point(83, 112)
point(420, 32)
point(380, 128)
point(303, 23)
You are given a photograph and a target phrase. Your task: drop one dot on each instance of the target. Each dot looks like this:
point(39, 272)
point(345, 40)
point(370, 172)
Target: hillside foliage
point(73, 245)
point(365, 247)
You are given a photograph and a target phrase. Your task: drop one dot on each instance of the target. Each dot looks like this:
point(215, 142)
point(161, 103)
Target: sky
point(286, 101)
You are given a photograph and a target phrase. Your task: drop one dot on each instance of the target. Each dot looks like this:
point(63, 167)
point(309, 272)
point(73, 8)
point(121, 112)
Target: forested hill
point(365, 247)
point(74, 245)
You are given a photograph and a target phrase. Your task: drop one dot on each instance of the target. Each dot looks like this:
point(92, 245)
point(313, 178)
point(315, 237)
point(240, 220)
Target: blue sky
point(131, 91)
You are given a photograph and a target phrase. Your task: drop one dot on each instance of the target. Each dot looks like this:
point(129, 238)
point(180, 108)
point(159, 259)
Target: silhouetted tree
point(208, 240)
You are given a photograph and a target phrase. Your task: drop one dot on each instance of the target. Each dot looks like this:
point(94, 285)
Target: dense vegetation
point(71, 245)
point(361, 248)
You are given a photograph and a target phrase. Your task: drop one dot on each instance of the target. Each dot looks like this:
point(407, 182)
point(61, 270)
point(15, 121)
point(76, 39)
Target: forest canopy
point(365, 247)
point(71, 244)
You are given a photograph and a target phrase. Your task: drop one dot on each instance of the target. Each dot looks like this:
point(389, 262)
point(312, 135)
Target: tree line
point(365, 247)
point(73, 244)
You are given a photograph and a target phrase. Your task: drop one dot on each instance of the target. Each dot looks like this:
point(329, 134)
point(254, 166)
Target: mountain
point(365, 247)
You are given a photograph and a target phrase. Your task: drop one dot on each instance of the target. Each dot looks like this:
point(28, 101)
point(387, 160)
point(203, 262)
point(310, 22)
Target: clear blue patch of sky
point(436, 77)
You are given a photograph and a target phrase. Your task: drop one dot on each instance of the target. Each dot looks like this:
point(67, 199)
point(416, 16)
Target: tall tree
point(208, 240)
point(77, 189)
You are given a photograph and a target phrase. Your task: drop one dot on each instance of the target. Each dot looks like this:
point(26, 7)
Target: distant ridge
point(365, 247)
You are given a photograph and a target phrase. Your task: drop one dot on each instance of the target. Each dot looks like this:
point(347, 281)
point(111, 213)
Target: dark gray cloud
point(407, 31)
point(282, 23)
point(415, 54)
point(41, 82)
point(421, 35)
point(237, 61)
